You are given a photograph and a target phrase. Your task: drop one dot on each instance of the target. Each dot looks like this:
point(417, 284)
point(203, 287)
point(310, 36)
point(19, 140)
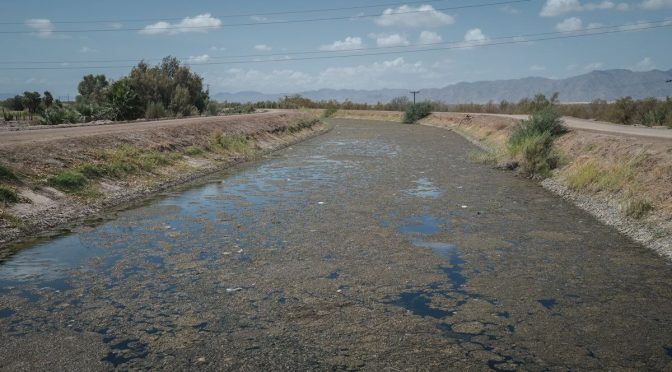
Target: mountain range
point(608, 85)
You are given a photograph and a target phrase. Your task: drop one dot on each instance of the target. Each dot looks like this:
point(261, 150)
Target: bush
point(8, 195)
point(155, 110)
point(69, 181)
point(416, 112)
point(533, 140)
point(6, 174)
point(331, 111)
point(212, 109)
point(93, 111)
point(57, 115)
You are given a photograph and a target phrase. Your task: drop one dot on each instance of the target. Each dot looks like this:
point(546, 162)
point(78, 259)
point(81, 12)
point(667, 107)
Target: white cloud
point(394, 73)
point(472, 38)
point(215, 48)
point(656, 4)
point(116, 25)
point(349, 42)
point(429, 37)
point(390, 40)
point(645, 64)
point(537, 68)
point(570, 24)
point(263, 48)
point(508, 9)
point(555, 8)
point(199, 59)
point(408, 16)
point(86, 50)
point(594, 66)
point(623, 7)
point(43, 27)
point(259, 18)
point(200, 23)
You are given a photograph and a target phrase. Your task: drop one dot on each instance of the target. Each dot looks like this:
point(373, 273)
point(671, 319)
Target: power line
point(624, 27)
point(232, 15)
point(359, 16)
point(461, 45)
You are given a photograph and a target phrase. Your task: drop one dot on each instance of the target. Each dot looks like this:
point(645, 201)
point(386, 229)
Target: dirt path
point(377, 246)
point(607, 128)
point(48, 133)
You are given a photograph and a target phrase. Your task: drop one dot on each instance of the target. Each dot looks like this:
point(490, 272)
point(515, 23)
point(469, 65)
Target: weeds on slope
point(532, 142)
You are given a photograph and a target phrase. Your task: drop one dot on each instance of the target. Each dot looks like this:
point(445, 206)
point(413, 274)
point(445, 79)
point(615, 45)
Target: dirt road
point(607, 128)
point(377, 246)
point(48, 133)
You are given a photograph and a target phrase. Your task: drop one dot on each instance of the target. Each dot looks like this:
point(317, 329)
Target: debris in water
point(240, 251)
point(231, 290)
point(464, 207)
point(320, 203)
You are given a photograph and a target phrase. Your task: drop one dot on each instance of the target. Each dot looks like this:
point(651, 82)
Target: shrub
point(212, 108)
point(331, 111)
point(533, 140)
point(69, 181)
point(6, 174)
point(417, 111)
point(536, 152)
point(155, 110)
point(8, 195)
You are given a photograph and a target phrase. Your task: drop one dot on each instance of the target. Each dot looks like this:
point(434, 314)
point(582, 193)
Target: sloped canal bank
point(377, 245)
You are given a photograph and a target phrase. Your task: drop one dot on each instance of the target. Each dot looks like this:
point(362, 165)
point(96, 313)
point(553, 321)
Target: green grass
point(7, 174)
point(235, 143)
point(194, 151)
point(634, 206)
point(127, 160)
point(302, 125)
point(590, 176)
point(482, 157)
point(68, 181)
point(8, 195)
point(583, 176)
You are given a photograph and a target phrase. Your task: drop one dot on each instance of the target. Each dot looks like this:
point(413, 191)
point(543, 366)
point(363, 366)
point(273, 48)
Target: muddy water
point(377, 246)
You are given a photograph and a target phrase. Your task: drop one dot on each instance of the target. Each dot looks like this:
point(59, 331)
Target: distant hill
point(608, 85)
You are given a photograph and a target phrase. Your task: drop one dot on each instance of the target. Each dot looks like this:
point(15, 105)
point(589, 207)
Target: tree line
point(166, 89)
point(629, 111)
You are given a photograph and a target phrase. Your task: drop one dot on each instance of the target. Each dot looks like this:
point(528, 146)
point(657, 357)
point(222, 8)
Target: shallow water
point(377, 245)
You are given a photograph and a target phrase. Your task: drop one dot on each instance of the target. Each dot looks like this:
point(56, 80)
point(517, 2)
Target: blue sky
point(201, 32)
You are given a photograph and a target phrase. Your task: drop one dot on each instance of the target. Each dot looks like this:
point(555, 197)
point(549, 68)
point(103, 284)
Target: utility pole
point(414, 93)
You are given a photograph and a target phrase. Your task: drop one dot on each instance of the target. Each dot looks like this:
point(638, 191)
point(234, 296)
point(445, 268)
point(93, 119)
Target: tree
point(32, 100)
point(48, 99)
point(15, 103)
point(124, 101)
point(93, 87)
